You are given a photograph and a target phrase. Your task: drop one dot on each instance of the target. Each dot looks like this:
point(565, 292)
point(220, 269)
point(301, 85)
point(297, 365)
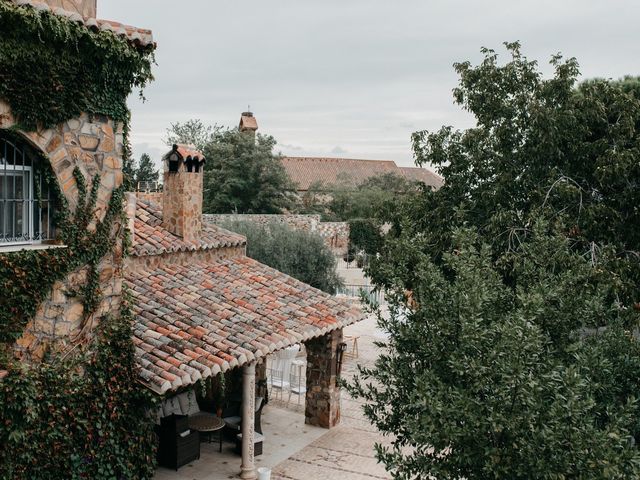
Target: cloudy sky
point(351, 78)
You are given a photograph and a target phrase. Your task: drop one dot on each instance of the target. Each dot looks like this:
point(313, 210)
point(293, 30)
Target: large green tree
point(370, 199)
point(146, 171)
point(192, 132)
point(514, 289)
point(244, 175)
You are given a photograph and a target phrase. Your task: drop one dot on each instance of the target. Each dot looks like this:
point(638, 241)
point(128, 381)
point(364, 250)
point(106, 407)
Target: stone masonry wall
point(155, 197)
point(182, 203)
point(86, 8)
point(308, 223)
point(95, 146)
point(153, 262)
point(334, 234)
point(323, 392)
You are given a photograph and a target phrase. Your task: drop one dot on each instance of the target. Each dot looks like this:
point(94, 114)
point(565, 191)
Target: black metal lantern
point(174, 160)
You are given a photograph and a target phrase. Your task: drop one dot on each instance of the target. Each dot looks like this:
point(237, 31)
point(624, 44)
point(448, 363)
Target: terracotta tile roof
point(248, 122)
point(305, 171)
point(187, 151)
point(151, 238)
point(423, 175)
point(196, 320)
point(138, 36)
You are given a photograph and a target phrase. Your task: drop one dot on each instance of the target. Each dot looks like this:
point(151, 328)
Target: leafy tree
point(302, 255)
point(370, 199)
point(244, 175)
point(513, 290)
point(146, 171)
point(191, 132)
point(129, 173)
point(343, 202)
point(364, 235)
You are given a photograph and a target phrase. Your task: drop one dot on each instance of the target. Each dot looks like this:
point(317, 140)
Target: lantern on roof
point(172, 160)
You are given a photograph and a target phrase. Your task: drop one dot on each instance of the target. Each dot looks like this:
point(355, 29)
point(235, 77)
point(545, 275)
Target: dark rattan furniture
point(178, 444)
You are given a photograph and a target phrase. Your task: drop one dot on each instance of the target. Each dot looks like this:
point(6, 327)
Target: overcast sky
point(351, 78)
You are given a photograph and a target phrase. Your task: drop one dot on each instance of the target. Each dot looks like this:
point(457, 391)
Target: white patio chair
point(297, 387)
point(277, 382)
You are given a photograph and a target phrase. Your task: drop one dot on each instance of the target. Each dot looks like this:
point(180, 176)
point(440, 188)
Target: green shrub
point(302, 255)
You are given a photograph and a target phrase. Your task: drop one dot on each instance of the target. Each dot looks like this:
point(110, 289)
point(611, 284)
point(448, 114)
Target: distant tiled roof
point(422, 175)
point(248, 122)
point(196, 320)
point(151, 238)
point(306, 171)
point(138, 36)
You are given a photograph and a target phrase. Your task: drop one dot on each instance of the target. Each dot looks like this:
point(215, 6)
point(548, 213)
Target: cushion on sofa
point(188, 403)
point(170, 406)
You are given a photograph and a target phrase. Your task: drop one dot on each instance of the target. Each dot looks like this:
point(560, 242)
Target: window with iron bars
point(26, 201)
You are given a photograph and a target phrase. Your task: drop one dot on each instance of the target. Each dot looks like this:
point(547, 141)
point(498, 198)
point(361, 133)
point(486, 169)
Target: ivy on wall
point(68, 68)
point(27, 276)
point(81, 418)
point(84, 415)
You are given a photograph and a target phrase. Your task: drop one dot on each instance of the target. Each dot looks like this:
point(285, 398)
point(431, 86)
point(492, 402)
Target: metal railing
point(357, 291)
point(359, 260)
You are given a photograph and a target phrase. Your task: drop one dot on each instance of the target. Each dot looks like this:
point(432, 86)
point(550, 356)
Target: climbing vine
point(85, 417)
point(69, 68)
point(82, 415)
point(28, 276)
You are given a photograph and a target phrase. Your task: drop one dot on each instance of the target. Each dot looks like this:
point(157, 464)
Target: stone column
point(248, 469)
point(323, 392)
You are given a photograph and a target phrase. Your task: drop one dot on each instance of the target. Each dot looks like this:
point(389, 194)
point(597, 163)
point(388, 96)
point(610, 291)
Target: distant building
point(306, 172)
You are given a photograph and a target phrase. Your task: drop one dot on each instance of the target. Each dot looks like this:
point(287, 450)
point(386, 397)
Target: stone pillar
point(323, 392)
point(248, 469)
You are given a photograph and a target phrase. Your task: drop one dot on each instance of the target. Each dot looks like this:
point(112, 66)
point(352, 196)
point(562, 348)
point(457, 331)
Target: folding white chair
point(277, 382)
point(296, 386)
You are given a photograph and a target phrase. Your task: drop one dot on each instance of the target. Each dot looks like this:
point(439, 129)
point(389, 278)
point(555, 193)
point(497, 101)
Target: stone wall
point(153, 262)
point(155, 197)
point(86, 8)
point(323, 392)
point(182, 203)
point(307, 223)
point(335, 234)
point(95, 146)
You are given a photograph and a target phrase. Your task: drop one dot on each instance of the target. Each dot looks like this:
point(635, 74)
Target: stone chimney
point(182, 192)
point(248, 124)
point(86, 8)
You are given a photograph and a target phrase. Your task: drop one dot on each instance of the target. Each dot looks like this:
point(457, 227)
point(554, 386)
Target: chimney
point(248, 124)
point(182, 192)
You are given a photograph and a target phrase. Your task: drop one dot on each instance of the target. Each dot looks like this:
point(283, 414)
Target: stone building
point(203, 307)
point(92, 144)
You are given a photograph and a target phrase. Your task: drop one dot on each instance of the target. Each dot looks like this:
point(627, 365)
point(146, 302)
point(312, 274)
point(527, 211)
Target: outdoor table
point(207, 424)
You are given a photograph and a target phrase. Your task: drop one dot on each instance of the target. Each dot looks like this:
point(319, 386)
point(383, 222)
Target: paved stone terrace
point(346, 452)
point(295, 451)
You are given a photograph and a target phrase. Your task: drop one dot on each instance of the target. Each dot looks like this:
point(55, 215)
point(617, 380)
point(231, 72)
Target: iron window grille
point(26, 201)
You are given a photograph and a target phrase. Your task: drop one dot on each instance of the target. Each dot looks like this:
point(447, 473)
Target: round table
point(207, 424)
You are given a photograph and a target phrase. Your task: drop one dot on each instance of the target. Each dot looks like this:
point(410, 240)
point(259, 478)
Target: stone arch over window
point(26, 198)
